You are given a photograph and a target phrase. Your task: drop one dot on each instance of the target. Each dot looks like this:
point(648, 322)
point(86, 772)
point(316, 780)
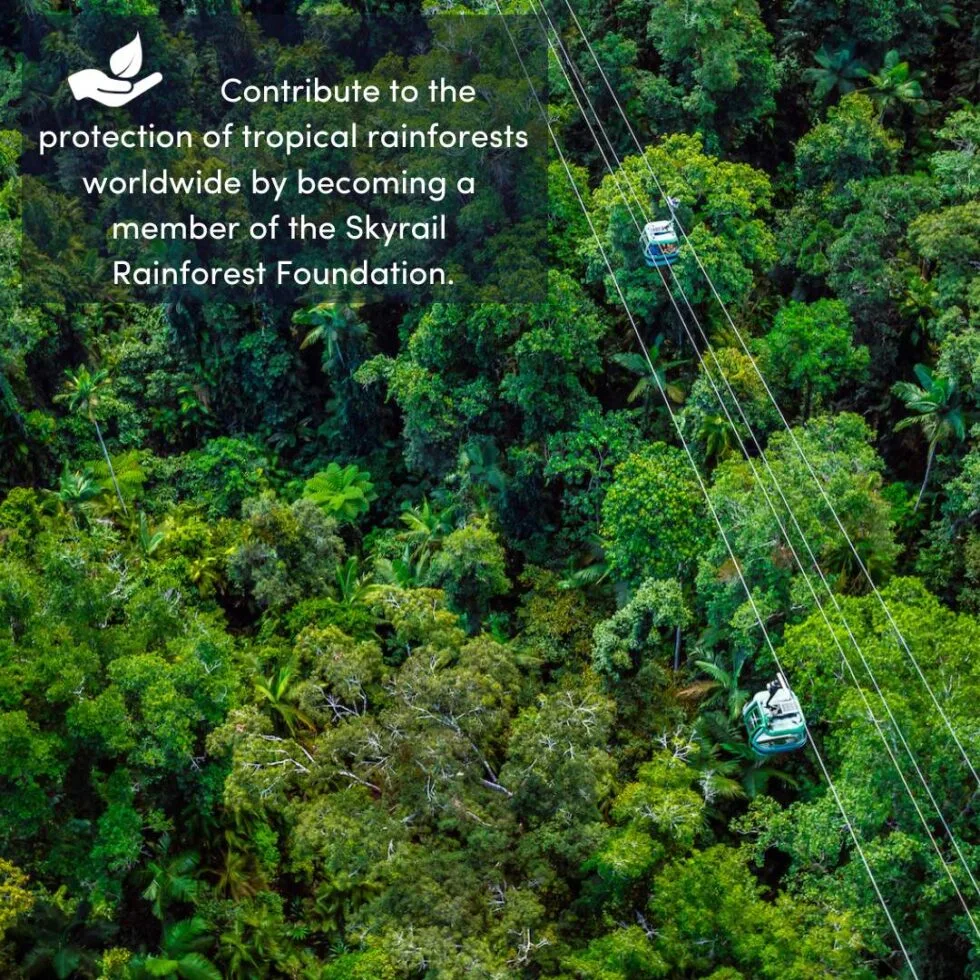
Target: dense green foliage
point(387, 642)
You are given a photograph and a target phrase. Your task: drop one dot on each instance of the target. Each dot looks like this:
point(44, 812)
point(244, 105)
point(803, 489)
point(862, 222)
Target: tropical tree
point(83, 390)
point(238, 876)
point(337, 327)
point(838, 448)
point(581, 461)
point(61, 937)
point(957, 168)
point(343, 492)
point(811, 350)
point(724, 936)
point(149, 540)
point(75, 489)
point(180, 954)
point(172, 878)
point(481, 472)
point(920, 301)
point(279, 692)
point(896, 86)
point(729, 768)
point(720, 53)
point(851, 145)
point(936, 408)
point(623, 641)
point(724, 688)
point(649, 385)
point(836, 72)
point(718, 436)
point(471, 567)
point(356, 587)
point(949, 239)
point(16, 899)
point(653, 516)
point(425, 528)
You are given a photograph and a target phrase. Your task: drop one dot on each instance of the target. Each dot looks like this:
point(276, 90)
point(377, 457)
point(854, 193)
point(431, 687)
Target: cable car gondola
point(774, 720)
point(659, 242)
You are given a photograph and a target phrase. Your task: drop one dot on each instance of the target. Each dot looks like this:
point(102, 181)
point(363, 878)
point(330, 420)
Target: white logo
point(91, 83)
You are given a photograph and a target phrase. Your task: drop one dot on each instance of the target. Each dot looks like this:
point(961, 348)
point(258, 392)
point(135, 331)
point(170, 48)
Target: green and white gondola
point(774, 719)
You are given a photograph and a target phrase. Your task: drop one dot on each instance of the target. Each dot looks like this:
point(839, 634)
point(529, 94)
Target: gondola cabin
point(659, 242)
point(774, 720)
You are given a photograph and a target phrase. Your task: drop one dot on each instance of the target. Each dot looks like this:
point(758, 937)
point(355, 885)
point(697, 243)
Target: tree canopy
point(402, 639)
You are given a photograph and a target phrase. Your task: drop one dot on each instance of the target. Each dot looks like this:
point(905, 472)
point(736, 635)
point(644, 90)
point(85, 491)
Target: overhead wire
point(710, 504)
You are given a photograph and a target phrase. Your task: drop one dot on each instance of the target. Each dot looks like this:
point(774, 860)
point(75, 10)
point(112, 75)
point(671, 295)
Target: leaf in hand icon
point(128, 60)
point(91, 83)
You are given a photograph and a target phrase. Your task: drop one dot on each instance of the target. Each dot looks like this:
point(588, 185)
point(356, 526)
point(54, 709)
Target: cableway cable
point(751, 600)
